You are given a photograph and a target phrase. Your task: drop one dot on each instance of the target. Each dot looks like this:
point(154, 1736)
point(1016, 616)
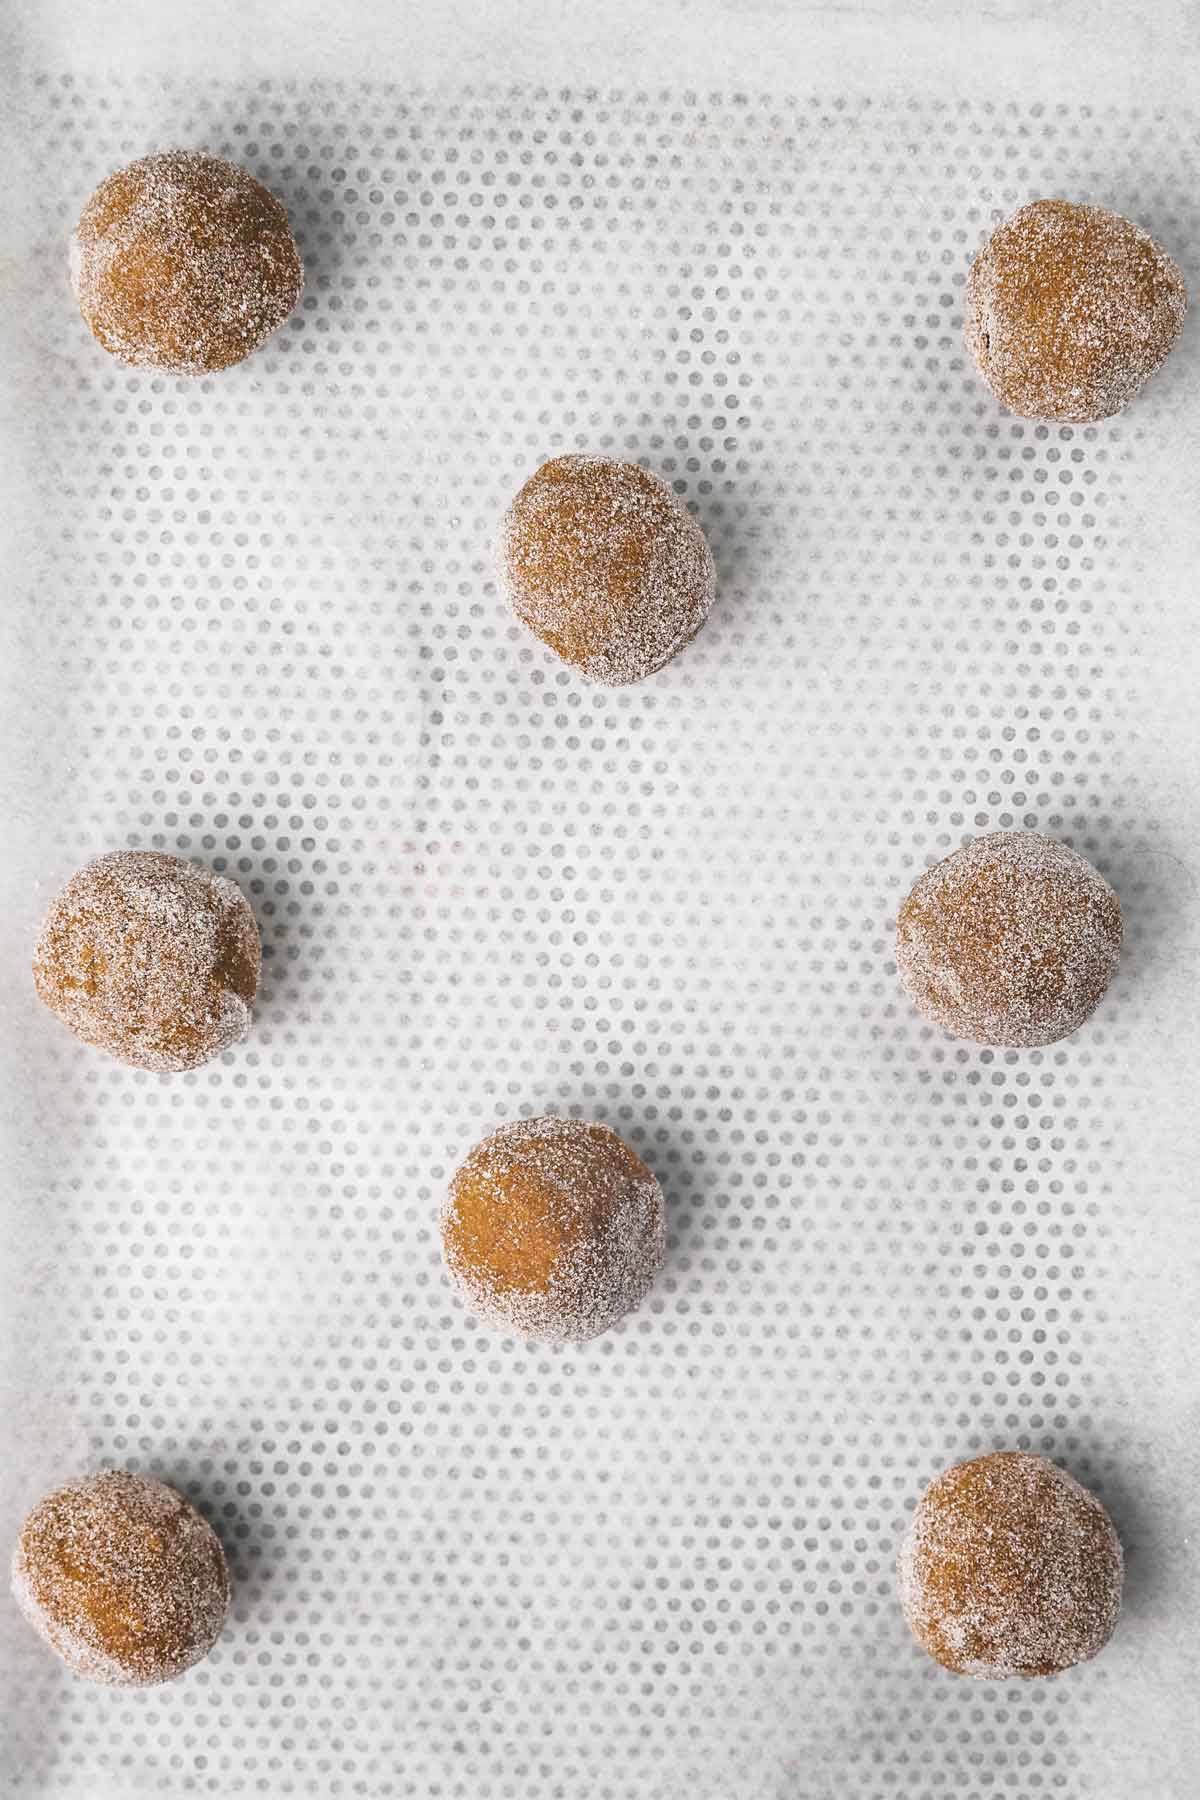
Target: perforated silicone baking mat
point(253, 620)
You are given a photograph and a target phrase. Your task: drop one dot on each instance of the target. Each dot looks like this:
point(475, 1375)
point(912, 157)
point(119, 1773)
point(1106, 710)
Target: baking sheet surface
point(253, 620)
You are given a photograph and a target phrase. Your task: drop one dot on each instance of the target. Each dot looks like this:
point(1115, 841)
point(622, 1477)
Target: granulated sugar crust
point(1010, 1568)
point(598, 1218)
point(122, 1577)
point(184, 262)
point(1012, 940)
point(150, 958)
point(607, 566)
point(1070, 310)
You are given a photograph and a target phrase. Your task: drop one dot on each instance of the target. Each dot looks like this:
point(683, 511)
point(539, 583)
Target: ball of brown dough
point(150, 958)
point(1009, 1567)
point(1011, 941)
point(606, 566)
point(185, 263)
point(123, 1578)
point(1070, 310)
point(553, 1229)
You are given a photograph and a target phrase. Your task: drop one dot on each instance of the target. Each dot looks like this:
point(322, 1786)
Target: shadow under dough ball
point(185, 263)
point(553, 1229)
point(1010, 1567)
point(606, 566)
point(1011, 941)
point(123, 1578)
point(1070, 310)
point(150, 958)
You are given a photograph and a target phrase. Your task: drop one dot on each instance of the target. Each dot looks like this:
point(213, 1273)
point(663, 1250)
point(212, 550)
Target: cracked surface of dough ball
point(606, 566)
point(184, 263)
point(150, 958)
point(553, 1229)
point(1070, 310)
point(1010, 1567)
point(1010, 941)
point(122, 1577)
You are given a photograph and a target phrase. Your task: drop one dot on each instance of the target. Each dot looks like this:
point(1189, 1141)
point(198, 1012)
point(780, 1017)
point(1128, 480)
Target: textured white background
point(253, 620)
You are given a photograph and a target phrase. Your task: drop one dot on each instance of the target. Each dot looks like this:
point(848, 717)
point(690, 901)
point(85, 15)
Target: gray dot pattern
point(261, 628)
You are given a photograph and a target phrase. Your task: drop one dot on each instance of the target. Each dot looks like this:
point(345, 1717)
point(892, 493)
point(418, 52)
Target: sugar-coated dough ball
point(185, 263)
point(553, 1229)
point(606, 566)
point(1009, 1567)
point(151, 958)
point(1011, 941)
point(1070, 310)
point(123, 1578)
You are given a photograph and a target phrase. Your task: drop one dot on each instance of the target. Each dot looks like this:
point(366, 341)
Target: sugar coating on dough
point(122, 1577)
point(606, 566)
point(1011, 941)
point(151, 959)
point(553, 1229)
point(185, 263)
point(1070, 310)
point(1009, 1567)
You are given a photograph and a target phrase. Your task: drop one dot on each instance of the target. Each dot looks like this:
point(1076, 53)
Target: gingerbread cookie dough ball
point(1011, 941)
point(184, 263)
point(1010, 1568)
point(553, 1229)
point(1070, 310)
point(606, 566)
point(150, 958)
point(123, 1578)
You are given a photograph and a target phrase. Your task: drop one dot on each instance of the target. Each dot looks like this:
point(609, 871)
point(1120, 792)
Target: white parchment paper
point(253, 620)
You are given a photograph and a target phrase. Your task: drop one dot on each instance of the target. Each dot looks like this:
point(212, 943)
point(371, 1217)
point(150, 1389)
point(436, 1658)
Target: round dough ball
point(1011, 941)
point(150, 958)
point(1009, 1567)
point(185, 263)
point(553, 1229)
point(606, 566)
point(123, 1578)
point(1069, 311)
